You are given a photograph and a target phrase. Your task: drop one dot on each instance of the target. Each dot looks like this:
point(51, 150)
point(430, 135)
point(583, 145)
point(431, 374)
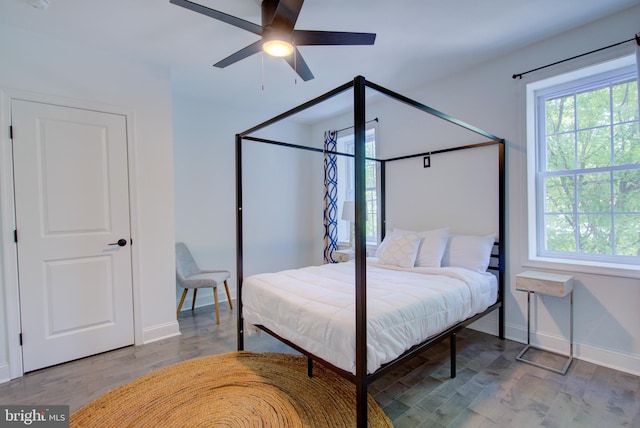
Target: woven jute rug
point(238, 389)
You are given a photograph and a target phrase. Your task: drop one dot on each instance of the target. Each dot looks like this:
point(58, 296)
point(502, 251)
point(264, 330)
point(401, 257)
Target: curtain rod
point(519, 75)
point(349, 127)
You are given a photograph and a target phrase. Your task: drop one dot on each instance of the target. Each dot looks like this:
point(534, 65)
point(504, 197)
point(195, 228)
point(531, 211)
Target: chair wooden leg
point(193, 303)
point(226, 287)
point(215, 301)
point(184, 294)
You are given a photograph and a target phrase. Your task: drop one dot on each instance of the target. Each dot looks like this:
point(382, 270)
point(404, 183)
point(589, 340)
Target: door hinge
point(11, 132)
point(15, 236)
point(20, 338)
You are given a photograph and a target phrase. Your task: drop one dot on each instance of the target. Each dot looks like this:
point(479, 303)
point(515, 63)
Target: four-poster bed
point(362, 360)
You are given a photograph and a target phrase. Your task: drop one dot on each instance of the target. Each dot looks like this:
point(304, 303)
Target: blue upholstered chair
point(189, 275)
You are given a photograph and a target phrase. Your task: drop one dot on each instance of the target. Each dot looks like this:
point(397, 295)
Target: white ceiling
point(417, 40)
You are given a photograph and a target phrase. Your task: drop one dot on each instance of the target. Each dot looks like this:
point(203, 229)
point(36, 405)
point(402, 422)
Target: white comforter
point(314, 307)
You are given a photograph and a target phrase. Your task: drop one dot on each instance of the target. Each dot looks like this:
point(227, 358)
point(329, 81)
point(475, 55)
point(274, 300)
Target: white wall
point(87, 76)
point(606, 317)
point(205, 188)
point(442, 195)
point(277, 208)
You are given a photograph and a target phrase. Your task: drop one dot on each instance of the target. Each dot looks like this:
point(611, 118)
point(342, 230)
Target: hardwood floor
point(491, 389)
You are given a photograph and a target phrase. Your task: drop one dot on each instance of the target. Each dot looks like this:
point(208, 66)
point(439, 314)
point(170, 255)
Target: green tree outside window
point(589, 171)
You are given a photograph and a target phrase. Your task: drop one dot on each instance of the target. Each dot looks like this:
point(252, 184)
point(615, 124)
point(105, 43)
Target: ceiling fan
point(278, 35)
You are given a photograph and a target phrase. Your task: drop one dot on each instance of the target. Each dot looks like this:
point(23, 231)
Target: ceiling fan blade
point(299, 65)
point(311, 38)
point(241, 54)
point(220, 16)
point(286, 14)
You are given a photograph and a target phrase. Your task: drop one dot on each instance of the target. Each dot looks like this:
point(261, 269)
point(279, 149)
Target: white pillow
point(383, 244)
point(432, 246)
point(469, 251)
point(400, 250)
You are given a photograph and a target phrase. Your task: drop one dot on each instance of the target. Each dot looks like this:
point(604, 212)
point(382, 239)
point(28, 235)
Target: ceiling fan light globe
point(278, 48)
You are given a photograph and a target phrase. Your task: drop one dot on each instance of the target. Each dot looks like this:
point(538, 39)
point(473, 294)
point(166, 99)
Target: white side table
point(550, 284)
point(343, 255)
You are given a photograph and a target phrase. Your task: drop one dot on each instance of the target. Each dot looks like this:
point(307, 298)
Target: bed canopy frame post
point(239, 261)
point(359, 89)
point(502, 209)
point(383, 200)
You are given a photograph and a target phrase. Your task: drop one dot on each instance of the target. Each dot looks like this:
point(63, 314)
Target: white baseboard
point(5, 373)
point(160, 331)
point(610, 358)
point(150, 334)
point(206, 300)
point(613, 359)
point(486, 325)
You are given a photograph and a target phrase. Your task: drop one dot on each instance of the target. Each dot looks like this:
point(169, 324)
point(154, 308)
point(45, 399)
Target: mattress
point(314, 307)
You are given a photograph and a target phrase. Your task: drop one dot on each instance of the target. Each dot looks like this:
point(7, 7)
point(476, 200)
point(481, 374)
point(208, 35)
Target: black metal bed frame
point(361, 379)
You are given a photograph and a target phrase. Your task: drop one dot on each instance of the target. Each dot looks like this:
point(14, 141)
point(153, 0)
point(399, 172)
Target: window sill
point(371, 247)
point(594, 268)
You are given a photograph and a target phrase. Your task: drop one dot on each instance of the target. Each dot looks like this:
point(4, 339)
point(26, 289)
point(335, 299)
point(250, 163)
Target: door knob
point(121, 242)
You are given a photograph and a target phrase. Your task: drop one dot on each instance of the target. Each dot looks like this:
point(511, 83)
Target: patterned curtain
point(330, 196)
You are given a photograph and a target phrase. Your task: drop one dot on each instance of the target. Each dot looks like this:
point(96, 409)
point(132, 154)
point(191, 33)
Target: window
point(346, 185)
point(584, 165)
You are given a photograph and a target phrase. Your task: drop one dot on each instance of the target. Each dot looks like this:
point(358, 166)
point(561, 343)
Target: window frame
point(534, 258)
point(345, 175)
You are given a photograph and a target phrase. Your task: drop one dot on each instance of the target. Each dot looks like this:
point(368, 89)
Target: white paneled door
point(74, 245)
